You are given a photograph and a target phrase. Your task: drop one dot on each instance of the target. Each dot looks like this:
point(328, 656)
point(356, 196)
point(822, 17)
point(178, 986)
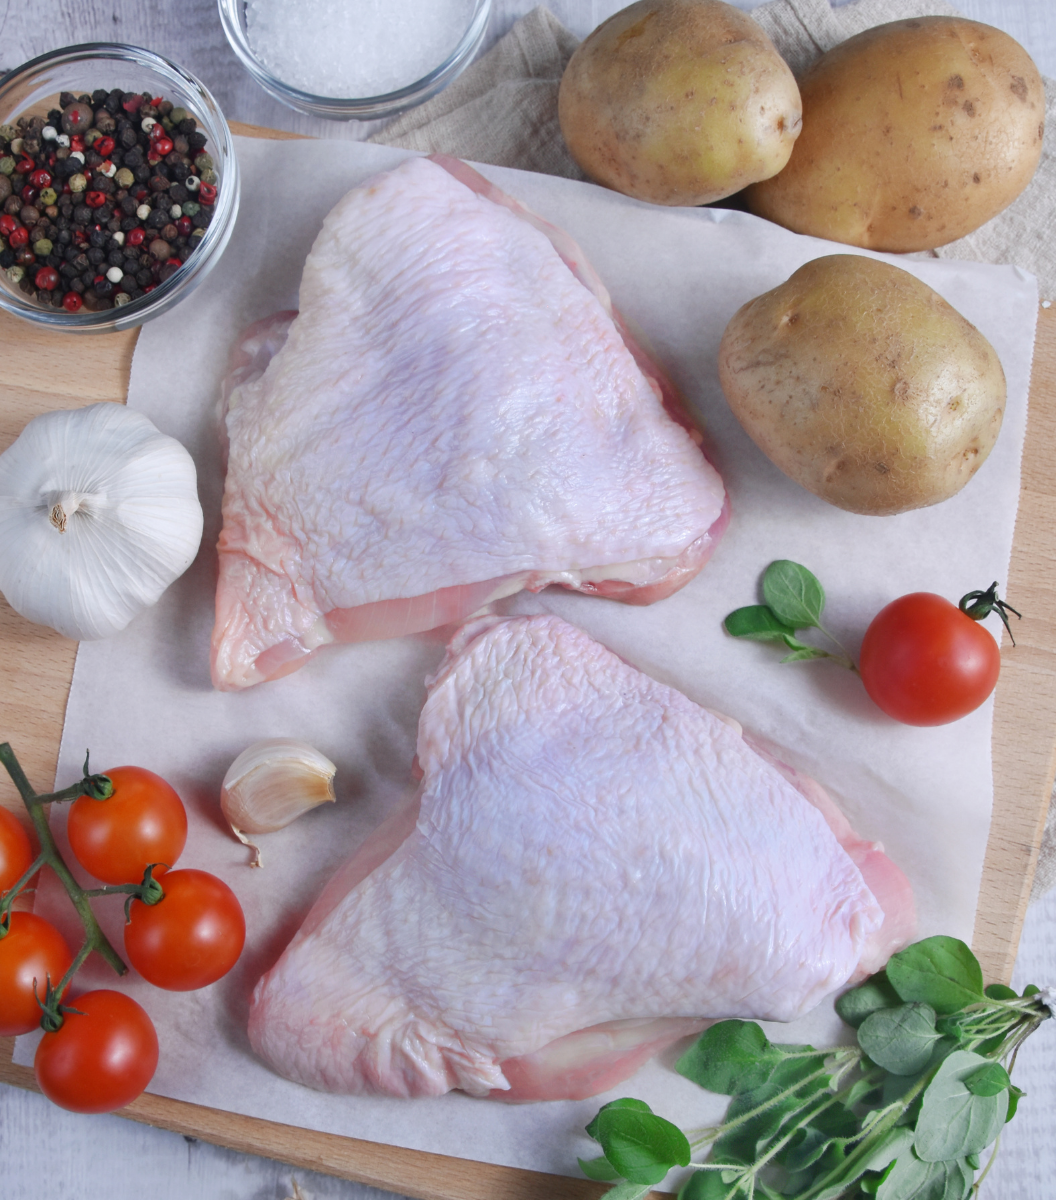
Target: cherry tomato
point(143, 822)
point(16, 851)
point(102, 1057)
point(924, 662)
point(32, 951)
point(191, 937)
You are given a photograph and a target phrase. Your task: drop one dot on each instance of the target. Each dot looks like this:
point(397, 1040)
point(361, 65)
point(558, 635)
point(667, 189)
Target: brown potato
point(862, 384)
point(914, 134)
point(679, 102)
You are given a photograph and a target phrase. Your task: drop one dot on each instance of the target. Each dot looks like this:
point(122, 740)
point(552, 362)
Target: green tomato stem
point(95, 939)
point(18, 886)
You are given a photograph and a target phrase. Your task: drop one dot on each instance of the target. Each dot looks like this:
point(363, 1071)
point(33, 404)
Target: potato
point(679, 102)
point(914, 134)
point(863, 385)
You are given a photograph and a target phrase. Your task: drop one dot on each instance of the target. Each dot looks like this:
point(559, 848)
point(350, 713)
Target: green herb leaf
point(640, 1145)
point(900, 1039)
point(598, 1168)
point(890, 1146)
point(731, 1056)
point(757, 622)
point(912, 1179)
point(794, 594)
point(953, 1122)
point(869, 997)
point(706, 1185)
point(807, 652)
point(623, 1102)
point(940, 971)
point(988, 1080)
point(796, 1066)
point(1014, 1097)
point(741, 1144)
point(998, 991)
point(628, 1191)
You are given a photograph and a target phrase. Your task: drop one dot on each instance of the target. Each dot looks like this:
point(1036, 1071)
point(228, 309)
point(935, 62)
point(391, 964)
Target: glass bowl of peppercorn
point(118, 187)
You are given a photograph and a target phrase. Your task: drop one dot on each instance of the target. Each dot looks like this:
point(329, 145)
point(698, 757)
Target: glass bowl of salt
point(354, 59)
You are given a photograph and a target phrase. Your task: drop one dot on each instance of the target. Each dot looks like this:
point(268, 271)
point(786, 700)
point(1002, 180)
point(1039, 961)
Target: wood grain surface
point(36, 667)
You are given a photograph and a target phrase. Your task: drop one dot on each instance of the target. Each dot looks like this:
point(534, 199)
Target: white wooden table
point(45, 1151)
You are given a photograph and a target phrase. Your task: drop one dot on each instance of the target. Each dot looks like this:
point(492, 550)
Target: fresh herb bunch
point(795, 600)
point(906, 1113)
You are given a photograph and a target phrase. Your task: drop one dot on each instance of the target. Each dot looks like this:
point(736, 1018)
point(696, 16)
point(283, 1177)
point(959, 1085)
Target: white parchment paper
point(144, 696)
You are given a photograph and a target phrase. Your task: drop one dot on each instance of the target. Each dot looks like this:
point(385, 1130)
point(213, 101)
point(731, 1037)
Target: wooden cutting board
point(47, 370)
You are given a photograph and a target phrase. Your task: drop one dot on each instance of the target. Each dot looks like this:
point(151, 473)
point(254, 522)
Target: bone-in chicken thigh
point(454, 414)
point(593, 865)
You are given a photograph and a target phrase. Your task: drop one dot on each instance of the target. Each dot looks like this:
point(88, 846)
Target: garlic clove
point(270, 784)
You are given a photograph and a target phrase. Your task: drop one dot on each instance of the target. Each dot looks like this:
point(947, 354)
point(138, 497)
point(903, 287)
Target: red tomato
point(143, 822)
point(191, 937)
point(104, 1055)
point(924, 662)
point(32, 952)
point(16, 850)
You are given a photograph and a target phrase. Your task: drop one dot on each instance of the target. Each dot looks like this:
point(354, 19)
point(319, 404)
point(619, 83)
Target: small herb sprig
point(795, 600)
point(905, 1113)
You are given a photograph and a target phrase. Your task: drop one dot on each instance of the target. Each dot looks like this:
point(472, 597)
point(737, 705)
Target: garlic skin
point(272, 783)
point(99, 513)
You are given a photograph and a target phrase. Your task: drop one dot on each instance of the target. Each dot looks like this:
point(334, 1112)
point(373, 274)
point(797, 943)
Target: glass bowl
point(33, 89)
point(466, 42)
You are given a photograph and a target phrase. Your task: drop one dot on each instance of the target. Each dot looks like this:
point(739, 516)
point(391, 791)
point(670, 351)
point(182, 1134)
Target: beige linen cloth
point(503, 110)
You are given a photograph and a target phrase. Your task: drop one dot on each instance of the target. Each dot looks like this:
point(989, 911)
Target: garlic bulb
point(99, 513)
point(271, 784)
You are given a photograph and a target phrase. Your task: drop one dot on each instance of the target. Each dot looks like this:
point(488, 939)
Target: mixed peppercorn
point(103, 199)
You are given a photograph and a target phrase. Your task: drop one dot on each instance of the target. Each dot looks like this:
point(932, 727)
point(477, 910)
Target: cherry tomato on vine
point(102, 1057)
point(191, 937)
point(32, 952)
point(143, 822)
point(925, 661)
point(16, 850)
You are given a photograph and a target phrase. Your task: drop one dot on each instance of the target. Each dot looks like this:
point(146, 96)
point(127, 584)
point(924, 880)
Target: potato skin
point(863, 385)
point(679, 102)
point(914, 134)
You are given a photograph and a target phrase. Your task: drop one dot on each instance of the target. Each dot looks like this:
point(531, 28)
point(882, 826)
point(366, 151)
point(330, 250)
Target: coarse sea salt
point(354, 48)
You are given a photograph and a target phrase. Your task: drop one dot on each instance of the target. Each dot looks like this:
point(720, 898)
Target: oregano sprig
point(904, 1114)
point(795, 600)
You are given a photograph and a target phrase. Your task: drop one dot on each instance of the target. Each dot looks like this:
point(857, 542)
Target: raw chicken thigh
point(593, 866)
point(455, 414)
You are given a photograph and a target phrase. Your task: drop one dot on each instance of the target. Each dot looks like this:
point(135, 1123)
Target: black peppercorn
point(104, 122)
point(66, 98)
point(82, 214)
point(142, 173)
point(128, 139)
